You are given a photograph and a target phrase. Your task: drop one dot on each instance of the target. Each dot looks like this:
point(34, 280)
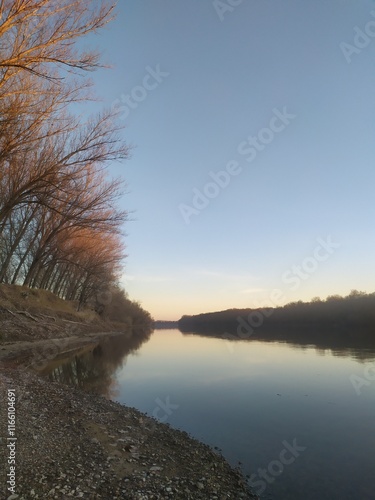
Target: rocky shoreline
point(73, 444)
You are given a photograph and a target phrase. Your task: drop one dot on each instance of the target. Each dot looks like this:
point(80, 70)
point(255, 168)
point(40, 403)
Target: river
point(299, 420)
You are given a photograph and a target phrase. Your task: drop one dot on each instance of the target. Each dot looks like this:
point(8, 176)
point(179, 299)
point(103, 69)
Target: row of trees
point(345, 315)
point(60, 226)
point(344, 325)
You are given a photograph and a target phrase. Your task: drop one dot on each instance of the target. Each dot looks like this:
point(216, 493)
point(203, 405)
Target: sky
point(251, 179)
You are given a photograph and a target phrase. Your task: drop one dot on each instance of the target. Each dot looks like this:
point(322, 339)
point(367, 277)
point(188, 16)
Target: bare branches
point(38, 36)
point(60, 227)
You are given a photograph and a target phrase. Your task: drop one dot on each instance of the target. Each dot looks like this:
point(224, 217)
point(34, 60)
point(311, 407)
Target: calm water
point(300, 420)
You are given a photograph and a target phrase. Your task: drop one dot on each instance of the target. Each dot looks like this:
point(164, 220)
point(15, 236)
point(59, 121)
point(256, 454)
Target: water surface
point(254, 400)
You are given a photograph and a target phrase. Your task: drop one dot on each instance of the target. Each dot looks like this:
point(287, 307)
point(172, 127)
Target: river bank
point(73, 444)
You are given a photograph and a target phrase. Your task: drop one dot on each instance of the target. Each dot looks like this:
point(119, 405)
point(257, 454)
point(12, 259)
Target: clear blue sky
point(222, 78)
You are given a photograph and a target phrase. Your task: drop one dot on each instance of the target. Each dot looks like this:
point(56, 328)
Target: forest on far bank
point(331, 320)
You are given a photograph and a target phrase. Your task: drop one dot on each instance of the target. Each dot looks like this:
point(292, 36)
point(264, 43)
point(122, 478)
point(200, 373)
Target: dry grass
point(52, 317)
point(15, 297)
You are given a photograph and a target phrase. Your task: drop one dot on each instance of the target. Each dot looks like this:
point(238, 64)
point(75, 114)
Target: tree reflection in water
point(93, 369)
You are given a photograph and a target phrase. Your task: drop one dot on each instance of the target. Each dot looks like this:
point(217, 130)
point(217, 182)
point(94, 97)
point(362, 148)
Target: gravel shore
point(73, 444)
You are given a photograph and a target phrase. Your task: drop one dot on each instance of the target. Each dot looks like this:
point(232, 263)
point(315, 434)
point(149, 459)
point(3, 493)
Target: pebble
point(80, 451)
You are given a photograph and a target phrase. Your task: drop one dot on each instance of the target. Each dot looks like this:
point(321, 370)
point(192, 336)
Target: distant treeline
point(116, 307)
point(320, 321)
point(165, 325)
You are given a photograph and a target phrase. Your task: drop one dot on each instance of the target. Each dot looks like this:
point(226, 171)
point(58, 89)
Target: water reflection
point(357, 344)
point(93, 368)
point(249, 401)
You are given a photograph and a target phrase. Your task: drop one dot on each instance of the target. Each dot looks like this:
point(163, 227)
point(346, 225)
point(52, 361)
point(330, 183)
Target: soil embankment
point(32, 315)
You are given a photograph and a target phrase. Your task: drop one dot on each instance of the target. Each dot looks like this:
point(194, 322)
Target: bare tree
point(39, 36)
point(60, 228)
